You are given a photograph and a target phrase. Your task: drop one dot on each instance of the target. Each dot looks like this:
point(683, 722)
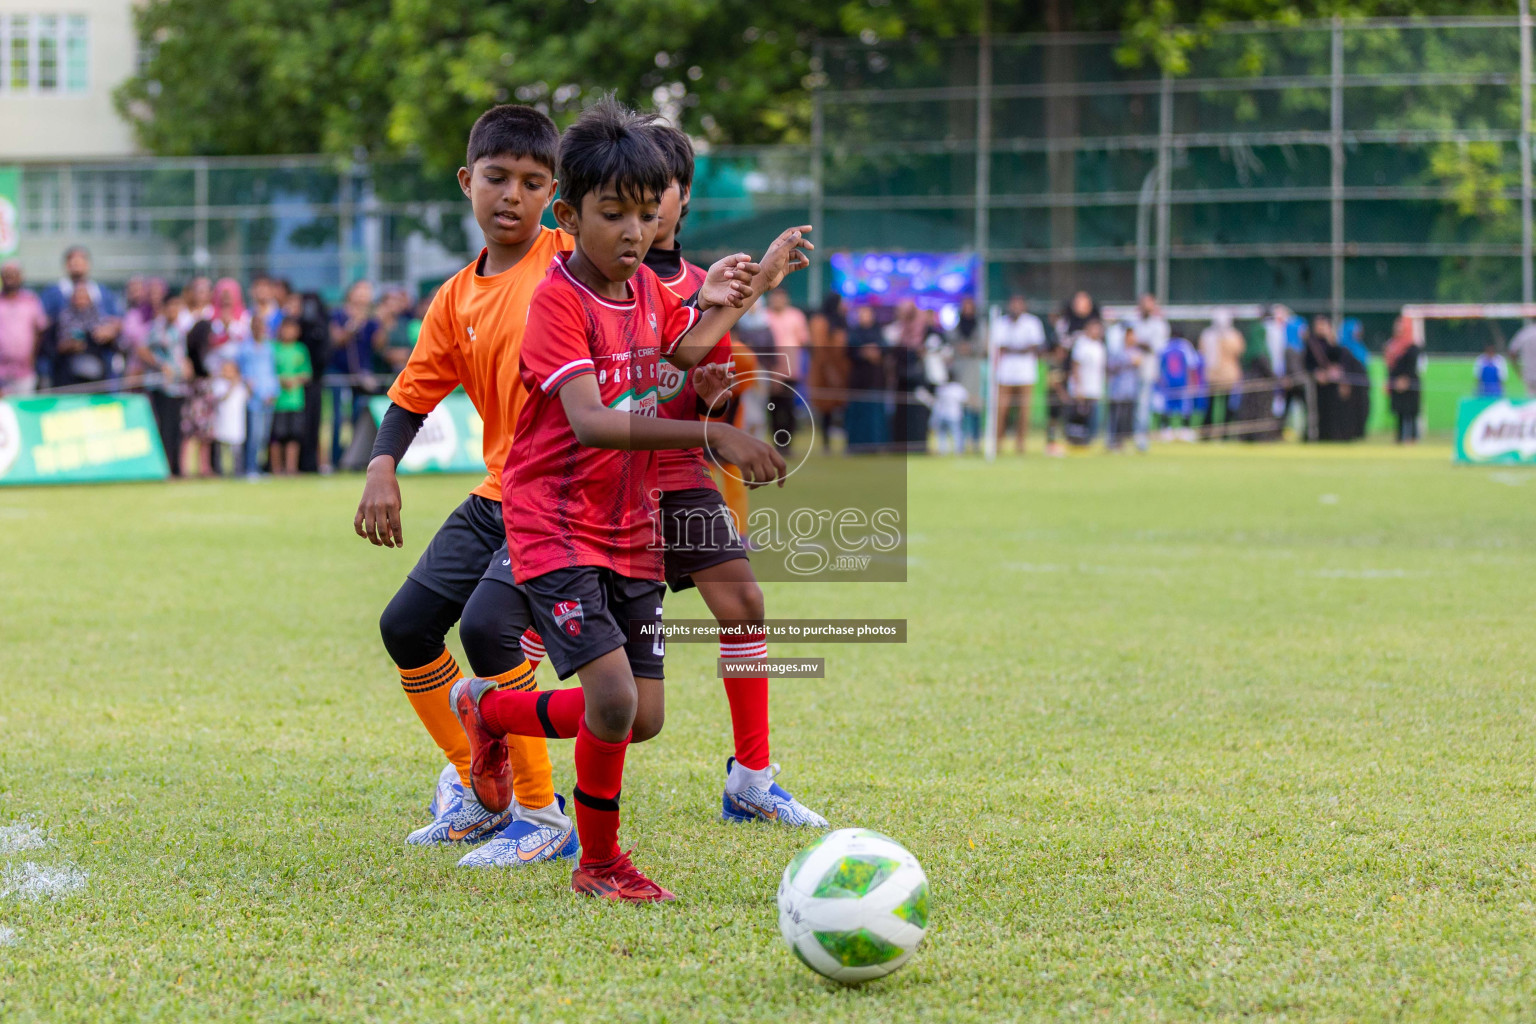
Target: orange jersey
point(473, 336)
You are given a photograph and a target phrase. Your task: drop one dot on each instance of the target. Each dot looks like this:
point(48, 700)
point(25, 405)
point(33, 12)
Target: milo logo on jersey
point(640, 401)
point(669, 382)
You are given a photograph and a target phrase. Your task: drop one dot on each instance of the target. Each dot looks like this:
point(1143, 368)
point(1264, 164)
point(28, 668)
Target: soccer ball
point(853, 905)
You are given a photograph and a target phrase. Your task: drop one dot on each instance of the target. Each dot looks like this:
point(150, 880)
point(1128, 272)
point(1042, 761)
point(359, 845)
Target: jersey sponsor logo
point(670, 381)
point(471, 332)
point(568, 616)
point(641, 402)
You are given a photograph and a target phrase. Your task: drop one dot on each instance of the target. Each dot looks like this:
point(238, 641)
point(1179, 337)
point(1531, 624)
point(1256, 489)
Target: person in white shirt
point(949, 400)
point(1152, 334)
point(1523, 348)
point(1015, 337)
point(1085, 386)
point(197, 304)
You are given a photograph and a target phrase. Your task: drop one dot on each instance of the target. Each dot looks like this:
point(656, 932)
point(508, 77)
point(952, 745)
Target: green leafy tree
point(380, 77)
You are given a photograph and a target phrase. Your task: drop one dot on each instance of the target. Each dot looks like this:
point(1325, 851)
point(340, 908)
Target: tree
point(395, 77)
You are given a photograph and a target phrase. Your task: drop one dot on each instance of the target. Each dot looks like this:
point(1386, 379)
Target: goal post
point(1438, 388)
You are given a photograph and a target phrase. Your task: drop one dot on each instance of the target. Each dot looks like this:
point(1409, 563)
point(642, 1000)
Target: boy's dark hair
point(612, 145)
point(678, 151)
point(298, 324)
point(513, 130)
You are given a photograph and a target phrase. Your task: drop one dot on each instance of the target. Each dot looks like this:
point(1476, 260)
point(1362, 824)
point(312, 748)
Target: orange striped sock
point(533, 782)
point(427, 689)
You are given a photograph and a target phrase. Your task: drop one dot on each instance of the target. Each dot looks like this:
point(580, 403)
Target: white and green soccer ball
point(853, 905)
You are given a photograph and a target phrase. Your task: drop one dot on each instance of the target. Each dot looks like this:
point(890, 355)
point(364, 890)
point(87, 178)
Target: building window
point(19, 48)
point(75, 67)
point(47, 54)
point(41, 209)
point(107, 202)
point(44, 53)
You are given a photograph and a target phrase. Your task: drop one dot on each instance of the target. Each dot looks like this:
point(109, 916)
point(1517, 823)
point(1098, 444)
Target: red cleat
point(617, 879)
point(489, 773)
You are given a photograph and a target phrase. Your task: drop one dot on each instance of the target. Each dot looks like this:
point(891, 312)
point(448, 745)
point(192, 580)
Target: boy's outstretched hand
point(757, 462)
point(786, 255)
point(729, 282)
point(712, 382)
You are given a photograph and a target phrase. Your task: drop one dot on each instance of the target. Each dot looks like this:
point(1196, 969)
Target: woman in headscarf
point(231, 320)
point(1221, 348)
point(909, 327)
point(142, 300)
point(1401, 357)
point(1325, 365)
point(828, 375)
point(1075, 314)
point(864, 418)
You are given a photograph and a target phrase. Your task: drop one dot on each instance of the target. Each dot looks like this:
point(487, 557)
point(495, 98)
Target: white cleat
point(759, 798)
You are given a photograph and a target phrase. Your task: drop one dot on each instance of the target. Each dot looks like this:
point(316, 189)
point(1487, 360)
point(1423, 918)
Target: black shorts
point(500, 567)
point(456, 557)
point(584, 612)
point(698, 532)
point(287, 426)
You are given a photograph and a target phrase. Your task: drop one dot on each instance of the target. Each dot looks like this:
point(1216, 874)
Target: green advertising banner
point(1496, 431)
point(449, 441)
point(10, 205)
point(71, 439)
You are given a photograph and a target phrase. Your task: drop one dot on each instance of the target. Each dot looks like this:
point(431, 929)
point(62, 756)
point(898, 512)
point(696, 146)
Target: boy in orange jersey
point(472, 337)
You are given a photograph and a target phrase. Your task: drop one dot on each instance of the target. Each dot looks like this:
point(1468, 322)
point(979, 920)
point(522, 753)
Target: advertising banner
point(10, 203)
point(449, 441)
point(1496, 431)
point(70, 439)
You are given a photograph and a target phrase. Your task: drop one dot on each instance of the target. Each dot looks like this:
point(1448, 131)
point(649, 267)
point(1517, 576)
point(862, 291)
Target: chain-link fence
point(1340, 167)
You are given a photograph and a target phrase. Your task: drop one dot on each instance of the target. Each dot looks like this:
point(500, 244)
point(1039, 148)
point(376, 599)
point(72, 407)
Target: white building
point(60, 61)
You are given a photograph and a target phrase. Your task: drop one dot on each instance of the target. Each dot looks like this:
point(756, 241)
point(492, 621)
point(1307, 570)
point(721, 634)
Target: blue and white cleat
point(532, 837)
point(462, 820)
point(446, 792)
point(754, 796)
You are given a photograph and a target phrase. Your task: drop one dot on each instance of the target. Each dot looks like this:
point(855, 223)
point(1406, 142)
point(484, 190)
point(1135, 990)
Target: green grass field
point(1214, 734)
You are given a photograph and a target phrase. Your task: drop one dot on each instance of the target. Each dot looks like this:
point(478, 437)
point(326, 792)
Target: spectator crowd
point(896, 378)
point(242, 380)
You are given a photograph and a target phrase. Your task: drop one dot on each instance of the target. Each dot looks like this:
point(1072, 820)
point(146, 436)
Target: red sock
point(533, 646)
point(552, 713)
point(599, 777)
point(749, 698)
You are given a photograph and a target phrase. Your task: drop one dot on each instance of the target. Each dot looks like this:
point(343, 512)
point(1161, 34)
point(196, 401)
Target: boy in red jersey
point(703, 547)
point(471, 337)
point(578, 494)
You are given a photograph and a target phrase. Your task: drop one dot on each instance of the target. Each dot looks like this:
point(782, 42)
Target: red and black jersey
point(565, 504)
point(683, 469)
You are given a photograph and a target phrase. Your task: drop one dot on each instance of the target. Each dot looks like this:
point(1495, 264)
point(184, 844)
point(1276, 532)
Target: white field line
point(32, 881)
point(20, 837)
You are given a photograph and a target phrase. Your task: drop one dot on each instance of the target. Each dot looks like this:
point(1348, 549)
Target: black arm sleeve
point(724, 412)
point(396, 432)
